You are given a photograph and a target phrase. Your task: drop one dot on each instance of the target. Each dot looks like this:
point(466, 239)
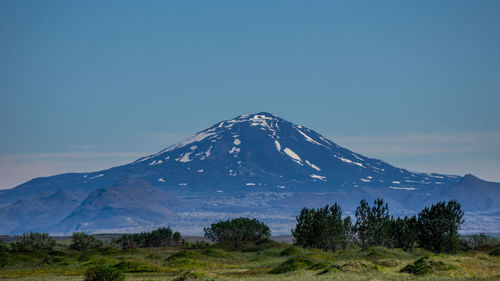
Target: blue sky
point(86, 85)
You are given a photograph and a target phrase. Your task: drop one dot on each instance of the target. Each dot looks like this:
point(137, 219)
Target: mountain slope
point(38, 214)
point(124, 206)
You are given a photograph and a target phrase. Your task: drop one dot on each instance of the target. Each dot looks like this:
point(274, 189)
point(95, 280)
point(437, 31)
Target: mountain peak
point(470, 178)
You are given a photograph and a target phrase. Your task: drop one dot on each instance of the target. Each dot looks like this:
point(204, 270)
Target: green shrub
point(103, 273)
point(33, 241)
point(81, 241)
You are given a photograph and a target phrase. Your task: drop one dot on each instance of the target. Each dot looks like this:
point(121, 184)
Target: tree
point(348, 232)
point(323, 228)
point(237, 230)
point(177, 237)
point(81, 241)
point(334, 230)
point(439, 225)
point(156, 238)
point(379, 224)
point(362, 222)
point(404, 232)
point(160, 237)
point(305, 233)
point(373, 224)
point(33, 241)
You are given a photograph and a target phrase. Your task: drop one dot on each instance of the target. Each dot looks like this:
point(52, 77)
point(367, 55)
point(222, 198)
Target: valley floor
point(265, 261)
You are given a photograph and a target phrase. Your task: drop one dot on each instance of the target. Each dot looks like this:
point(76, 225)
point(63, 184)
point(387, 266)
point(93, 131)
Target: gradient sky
point(85, 85)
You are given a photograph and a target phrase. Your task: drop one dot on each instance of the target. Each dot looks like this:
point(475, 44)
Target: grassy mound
point(193, 275)
point(291, 251)
point(376, 253)
point(247, 246)
point(186, 259)
point(219, 254)
point(103, 272)
point(136, 266)
point(426, 265)
point(357, 266)
point(495, 252)
point(292, 264)
point(154, 256)
point(352, 267)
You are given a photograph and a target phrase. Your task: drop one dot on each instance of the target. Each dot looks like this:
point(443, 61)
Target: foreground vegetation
point(266, 260)
point(376, 246)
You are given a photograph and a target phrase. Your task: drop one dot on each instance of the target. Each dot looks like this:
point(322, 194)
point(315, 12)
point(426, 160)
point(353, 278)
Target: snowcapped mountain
point(255, 165)
point(264, 152)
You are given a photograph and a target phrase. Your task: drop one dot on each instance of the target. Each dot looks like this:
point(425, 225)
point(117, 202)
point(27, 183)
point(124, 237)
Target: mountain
point(253, 165)
point(128, 205)
point(32, 214)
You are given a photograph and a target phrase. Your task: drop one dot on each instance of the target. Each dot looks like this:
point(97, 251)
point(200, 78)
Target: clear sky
point(86, 85)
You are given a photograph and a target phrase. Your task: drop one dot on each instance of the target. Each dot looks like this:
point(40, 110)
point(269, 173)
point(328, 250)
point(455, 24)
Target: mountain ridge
point(254, 163)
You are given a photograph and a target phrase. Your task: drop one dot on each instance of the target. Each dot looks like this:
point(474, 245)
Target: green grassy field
point(265, 261)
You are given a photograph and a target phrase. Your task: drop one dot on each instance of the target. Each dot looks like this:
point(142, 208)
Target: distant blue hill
point(256, 165)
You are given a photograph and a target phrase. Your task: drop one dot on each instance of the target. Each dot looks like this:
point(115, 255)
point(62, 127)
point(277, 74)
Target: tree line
point(80, 241)
point(157, 238)
point(434, 228)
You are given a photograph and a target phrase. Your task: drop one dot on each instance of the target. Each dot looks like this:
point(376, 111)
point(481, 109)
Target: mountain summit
point(253, 165)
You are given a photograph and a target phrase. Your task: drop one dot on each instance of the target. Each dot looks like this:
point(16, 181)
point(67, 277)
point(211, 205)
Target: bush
point(81, 241)
point(237, 230)
point(33, 241)
point(103, 273)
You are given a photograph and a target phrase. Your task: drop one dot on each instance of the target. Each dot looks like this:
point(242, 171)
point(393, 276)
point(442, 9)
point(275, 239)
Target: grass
point(263, 261)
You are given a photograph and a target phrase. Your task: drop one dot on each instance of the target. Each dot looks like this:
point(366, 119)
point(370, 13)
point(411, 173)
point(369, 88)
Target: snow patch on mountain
point(349, 161)
point(185, 158)
point(402, 188)
point(155, 162)
point(313, 166)
point(98, 176)
point(278, 145)
point(293, 155)
point(309, 139)
point(314, 176)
